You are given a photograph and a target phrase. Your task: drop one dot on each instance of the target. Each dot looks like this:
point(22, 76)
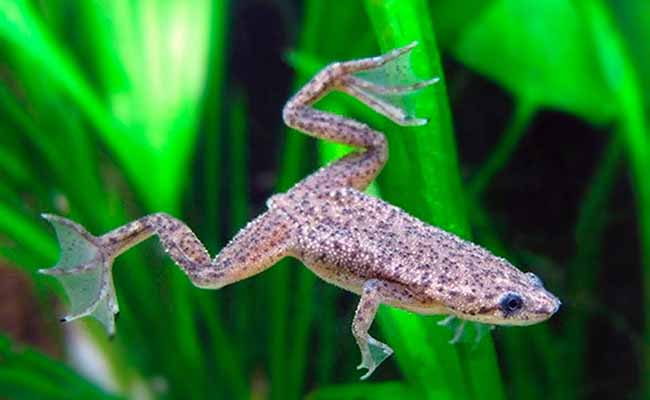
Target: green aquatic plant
point(111, 111)
point(25, 373)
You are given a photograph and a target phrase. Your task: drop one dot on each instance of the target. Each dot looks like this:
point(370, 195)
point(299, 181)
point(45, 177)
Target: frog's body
point(346, 237)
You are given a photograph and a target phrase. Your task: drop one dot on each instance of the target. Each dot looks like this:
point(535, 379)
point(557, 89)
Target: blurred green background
point(538, 148)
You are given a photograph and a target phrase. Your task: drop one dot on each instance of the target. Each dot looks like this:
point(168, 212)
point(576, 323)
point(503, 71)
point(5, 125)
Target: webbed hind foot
point(373, 354)
point(84, 270)
point(385, 83)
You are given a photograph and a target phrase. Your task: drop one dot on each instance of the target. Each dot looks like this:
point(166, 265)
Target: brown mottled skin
point(346, 237)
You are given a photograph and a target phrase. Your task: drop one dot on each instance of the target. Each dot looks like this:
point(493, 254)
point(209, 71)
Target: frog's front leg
point(84, 268)
point(375, 291)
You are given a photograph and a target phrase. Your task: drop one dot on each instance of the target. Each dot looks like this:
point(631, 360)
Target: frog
point(327, 221)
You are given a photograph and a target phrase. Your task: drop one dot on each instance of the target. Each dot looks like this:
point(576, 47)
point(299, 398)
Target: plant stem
point(428, 155)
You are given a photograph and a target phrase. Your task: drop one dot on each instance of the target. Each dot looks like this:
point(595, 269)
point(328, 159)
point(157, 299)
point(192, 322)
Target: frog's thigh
point(257, 247)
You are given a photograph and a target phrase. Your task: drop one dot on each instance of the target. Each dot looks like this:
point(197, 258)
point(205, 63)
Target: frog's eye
point(534, 280)
point(511, 303)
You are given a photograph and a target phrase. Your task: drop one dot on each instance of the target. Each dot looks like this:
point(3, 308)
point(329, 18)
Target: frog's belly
point(342, 278)
point(336, 276)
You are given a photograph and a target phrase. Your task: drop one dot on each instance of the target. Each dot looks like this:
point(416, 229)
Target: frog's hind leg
point(365, 79)
point(84, 268)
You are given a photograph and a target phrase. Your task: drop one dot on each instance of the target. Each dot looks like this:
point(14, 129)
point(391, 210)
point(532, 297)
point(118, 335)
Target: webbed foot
point(84, 270)
point(384, 83)
point(375, 353)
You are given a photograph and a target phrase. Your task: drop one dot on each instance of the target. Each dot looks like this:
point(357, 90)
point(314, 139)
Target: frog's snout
point(551, 305)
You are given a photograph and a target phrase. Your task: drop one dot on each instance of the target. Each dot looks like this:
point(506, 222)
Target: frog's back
point(348, 237)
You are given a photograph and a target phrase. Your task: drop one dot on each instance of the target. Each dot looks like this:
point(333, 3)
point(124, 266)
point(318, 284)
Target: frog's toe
point(459, 332)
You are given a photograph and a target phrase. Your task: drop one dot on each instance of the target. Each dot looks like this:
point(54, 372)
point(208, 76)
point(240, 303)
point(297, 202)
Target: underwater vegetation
point(537, 148)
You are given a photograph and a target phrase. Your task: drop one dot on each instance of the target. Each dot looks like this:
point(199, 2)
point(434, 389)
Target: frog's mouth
point(493, 319)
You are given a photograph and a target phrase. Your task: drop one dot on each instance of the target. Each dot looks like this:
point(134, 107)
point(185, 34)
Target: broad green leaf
point(452, 18)
point(540, 51)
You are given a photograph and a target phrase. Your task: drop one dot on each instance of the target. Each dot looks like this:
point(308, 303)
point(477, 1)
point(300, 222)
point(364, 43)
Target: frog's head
point(519, 300)
point(485, 288)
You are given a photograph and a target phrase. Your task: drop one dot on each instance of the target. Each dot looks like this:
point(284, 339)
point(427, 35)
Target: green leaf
point(633, 128)
point(151, 99)
point(452, 18)
point(27, 374)
point(423, 178)
point(541, 52)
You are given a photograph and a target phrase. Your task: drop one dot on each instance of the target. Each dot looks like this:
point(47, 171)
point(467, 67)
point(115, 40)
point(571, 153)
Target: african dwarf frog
point(343, 235)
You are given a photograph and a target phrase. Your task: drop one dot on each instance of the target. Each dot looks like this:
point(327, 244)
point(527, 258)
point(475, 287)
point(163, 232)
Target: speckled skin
point(348, 238)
